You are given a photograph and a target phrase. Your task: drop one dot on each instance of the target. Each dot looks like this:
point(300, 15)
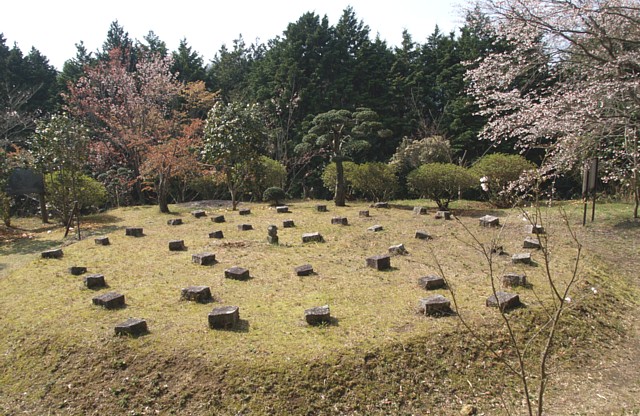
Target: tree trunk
point(340, 195)
point(43, 209)
point(162, 195)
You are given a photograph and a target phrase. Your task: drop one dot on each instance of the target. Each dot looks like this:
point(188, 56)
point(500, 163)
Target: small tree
point(329, 176)
point(64, 190)
point(269, 173)
point(411, 154)
point(233, 136)
point(274, 195)
point(375, 180)
point(440, 182)
point(496, 172)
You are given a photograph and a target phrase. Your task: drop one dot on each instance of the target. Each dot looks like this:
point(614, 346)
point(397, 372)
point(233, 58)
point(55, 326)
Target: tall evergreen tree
point(187, 63)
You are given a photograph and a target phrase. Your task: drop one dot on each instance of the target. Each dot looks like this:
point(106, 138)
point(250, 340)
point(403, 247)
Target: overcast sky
point(54, 27)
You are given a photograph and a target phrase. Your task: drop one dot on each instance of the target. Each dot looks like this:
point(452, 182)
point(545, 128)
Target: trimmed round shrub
point(440, 182)
point(496, 172)
point(274, 195)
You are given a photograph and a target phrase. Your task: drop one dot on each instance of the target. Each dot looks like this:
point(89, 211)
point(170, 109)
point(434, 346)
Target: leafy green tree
point(188, 65)
point(65, 189)
point(154, 45)
point(341, 133)
point(269, 173)
point(73, 69)
point(118, 46)
point(440, 182)
point(375, 180)
point(233, 137)
point(274, 194)
point(329, 176)
point(230, 70)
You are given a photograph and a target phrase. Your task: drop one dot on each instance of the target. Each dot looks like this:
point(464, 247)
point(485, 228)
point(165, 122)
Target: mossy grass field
point(378, 355)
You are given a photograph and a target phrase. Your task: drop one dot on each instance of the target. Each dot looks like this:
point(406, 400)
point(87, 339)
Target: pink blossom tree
point(569, 83)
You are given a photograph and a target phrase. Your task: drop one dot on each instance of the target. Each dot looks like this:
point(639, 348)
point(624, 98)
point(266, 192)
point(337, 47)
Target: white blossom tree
point(568, 83)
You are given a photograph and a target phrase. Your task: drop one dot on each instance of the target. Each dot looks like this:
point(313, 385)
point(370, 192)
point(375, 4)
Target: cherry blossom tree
point(569, 83)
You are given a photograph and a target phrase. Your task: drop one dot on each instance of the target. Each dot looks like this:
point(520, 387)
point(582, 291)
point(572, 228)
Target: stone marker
point(363, 213)
point(531, 242)
point(94, 281)
point(55, 253)
point(379, 262)
point(288, 224)
point(504, 300)
point(282, 209)
point(318, 315)
point(489, 221)
point(134, 231)
point(312, 237)
point(321, 208)
point(102, 241)
point(375, 228)
point(434, 305)
point(218, 218)
point(199, 213)
point(514, 279)
point(244, 211)
point(419, 210)
point(199, 294)
point(77, 270)
point(203, 259)
point(304, 270)
point(237, 273)
point(216, 234)
point(446, 215)
point(499, 250)
point(245, 227)
point(272, 234)
point(175, 221)
point(381, 205)
point(176, 245)
point(224, 317)
point(398, 249)
point(431, 282)
point(339, 220)
point(423, 235)
point(522, 258)
point(132, 326)
point(534, 229)
point(110, 300)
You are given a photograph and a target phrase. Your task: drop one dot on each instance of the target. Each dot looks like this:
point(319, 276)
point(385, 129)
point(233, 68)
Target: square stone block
point(321, 208)
point(318, 315)
point(521, 258)
point(514, 279)
point(443, 215)
point(216, 234)
point(304, 270)
point(134, 231)
point(244, 211)
point(200, 294)
point(94, 281)
point(203, 259)
point(312, 237)
point(111, 300)
point(199, 213)
point(379, 262)
point(224, 317)
point(423, 235)
point(503, 300)
point(339, 221)
point(272, 230)
point(282, 209)
point(489, 221)
point(288, 224)
point(132, 327)
point(237, 273)
point(434, 305)
point(363, 214)
point(419, 210)
point(218, 219)
point(381, 205)
point(55, 253)
point(398, 249)
point(102, 241)
point(534, 229)
point(175, 221)
point(531, 242)
point(245, 227)
point(431, 282)
point(176, 245)
point(77, 270)
point(375, 228)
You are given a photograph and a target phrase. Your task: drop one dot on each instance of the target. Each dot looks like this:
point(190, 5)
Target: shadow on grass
point(627, 225)
point(477, 213)
point(28, 246)
point(100, 219)
point(242, 326)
